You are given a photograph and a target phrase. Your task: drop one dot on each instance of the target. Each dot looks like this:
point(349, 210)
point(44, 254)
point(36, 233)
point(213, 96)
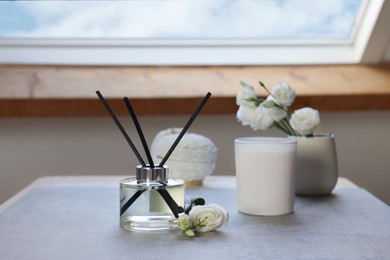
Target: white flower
point(265, 116)
point(208, 218)
point(185, 223)
point(246, 114)
point(305, 120)
point(283, 94)
point(262, 114)
point(242, 96)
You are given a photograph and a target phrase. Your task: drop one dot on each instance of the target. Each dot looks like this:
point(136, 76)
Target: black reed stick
point(121, 128)
point(176, 209)
point(185, 128)
point(139, 130)
point(130, 201)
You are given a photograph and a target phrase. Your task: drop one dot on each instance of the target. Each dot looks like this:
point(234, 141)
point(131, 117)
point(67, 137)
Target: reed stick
point(118, 124)
point(140, 132)
point(185, 128)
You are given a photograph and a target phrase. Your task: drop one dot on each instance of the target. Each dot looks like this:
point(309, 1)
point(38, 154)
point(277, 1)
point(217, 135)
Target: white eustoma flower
point(246, 114)
point(245, 93)
point(283, 94)
point(265, 116)
point(305, 120)
point(209, 217)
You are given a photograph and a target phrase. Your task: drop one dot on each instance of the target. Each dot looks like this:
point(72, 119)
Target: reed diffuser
point(150, 200)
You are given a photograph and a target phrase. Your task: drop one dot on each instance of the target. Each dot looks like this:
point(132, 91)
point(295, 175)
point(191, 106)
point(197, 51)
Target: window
point(176, 32)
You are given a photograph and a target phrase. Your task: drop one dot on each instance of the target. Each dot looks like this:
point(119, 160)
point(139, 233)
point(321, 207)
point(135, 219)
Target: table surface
point(77, 218)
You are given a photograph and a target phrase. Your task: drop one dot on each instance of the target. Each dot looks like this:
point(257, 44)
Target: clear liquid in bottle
point(149, 201)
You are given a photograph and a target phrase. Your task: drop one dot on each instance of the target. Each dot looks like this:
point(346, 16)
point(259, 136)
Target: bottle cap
point(152, 174)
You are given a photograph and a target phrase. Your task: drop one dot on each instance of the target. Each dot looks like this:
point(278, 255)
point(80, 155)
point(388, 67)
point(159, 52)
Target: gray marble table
point(65, 218)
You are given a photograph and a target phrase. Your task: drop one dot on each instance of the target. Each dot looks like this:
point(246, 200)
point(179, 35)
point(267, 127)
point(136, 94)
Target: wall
point(386, 56)
point(34, 147)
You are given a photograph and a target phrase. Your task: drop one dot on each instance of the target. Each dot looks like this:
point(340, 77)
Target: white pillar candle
point(265, 170)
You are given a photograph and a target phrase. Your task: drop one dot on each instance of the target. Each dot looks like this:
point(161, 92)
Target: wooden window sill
point(39, 91)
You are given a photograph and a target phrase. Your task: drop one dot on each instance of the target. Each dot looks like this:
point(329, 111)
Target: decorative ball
point(192, 160)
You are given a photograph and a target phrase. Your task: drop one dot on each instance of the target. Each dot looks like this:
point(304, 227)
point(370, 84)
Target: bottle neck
point(158, 174)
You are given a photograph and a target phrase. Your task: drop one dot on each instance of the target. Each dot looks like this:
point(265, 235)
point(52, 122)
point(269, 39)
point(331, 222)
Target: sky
point(179, 19)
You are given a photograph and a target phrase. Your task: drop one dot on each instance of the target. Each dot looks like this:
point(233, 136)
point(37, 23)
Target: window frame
point(368, 45)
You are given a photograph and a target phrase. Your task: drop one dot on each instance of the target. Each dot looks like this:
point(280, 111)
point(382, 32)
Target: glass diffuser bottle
point(151, 201)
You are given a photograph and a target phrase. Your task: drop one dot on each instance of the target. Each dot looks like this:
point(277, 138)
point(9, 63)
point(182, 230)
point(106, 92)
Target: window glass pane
point(180, 19)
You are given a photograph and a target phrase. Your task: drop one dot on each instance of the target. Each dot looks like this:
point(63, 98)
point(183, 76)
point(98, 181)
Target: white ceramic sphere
point(193, 159)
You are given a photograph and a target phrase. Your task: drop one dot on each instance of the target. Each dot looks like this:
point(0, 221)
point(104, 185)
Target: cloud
point(190, 19)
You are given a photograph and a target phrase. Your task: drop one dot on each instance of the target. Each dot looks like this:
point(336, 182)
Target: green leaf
point(198, 202)
point(194, 202)
point(268, 104)
point(189, 233)
point(255, 100)
point(251, 99)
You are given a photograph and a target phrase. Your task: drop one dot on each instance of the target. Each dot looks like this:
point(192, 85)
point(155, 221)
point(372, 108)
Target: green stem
point(264, 87)
point(290, 129)
point(284, 124)
point(282, 128)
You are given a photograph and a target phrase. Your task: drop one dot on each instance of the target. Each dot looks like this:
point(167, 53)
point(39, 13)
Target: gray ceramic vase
point(317, 170)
